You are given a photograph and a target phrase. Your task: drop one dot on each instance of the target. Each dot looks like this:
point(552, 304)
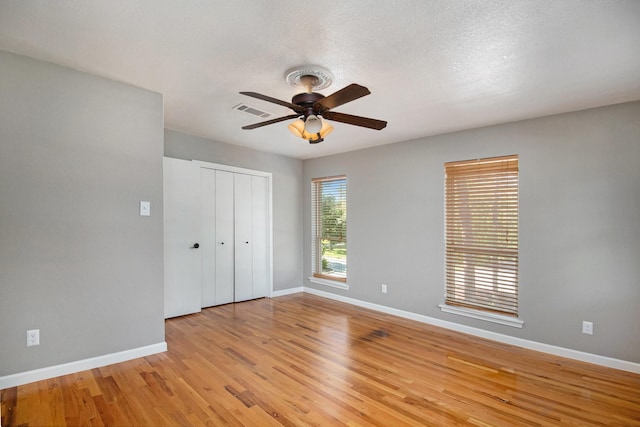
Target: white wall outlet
point(587, 327)
point(33, 337)
point(145, 208)
point(384, 288)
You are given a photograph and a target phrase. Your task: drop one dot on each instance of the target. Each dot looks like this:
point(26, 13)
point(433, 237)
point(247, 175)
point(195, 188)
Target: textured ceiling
point(432, 66)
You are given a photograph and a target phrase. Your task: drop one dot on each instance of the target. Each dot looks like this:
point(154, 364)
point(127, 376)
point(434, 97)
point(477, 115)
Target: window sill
point(332, 283)
point(483, 315)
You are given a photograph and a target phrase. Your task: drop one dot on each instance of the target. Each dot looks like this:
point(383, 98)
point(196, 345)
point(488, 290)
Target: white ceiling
point(432, 66)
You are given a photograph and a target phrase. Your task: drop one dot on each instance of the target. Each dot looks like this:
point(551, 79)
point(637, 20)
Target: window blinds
point(329, 227)
point(481, 214)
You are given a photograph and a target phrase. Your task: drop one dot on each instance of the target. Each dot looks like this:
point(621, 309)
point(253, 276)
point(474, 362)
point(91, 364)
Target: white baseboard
point(284, 292)
point(506, 339)
point(21, 378)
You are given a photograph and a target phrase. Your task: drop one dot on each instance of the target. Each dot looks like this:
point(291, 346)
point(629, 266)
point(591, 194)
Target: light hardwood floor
point(305, 360)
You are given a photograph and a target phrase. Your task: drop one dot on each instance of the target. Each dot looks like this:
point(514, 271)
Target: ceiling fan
point(309, 106)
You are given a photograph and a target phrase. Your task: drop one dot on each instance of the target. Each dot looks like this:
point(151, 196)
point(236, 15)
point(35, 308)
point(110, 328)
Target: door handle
point(195, 246)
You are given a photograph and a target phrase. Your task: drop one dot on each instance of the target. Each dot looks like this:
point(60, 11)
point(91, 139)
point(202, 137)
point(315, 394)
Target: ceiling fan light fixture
point(298, 129)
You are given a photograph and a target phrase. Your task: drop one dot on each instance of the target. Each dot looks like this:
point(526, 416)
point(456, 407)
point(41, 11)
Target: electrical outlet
point(587, 327)
point(33, 337)
point(384, 288)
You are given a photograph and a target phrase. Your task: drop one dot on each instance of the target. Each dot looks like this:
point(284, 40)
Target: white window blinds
point(329, 228)
point(481, 214)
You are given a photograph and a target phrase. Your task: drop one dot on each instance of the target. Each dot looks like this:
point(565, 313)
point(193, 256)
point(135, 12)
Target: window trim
point(326, 282)
point(319, 278)
point(331, 278)
point(482, 315)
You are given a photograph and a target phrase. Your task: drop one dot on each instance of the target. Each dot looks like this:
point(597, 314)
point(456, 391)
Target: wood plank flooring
point(302, 360)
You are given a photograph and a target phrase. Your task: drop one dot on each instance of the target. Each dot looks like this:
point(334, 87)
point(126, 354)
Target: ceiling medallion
point(322, 78)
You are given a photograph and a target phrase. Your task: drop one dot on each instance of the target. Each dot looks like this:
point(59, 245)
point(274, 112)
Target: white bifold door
point(234, 250)
point(233, 243)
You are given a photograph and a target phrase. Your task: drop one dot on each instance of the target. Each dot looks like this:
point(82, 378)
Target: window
point(481, 214)
point(329, 228)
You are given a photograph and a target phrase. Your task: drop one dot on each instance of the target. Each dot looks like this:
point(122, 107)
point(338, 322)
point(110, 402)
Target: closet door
point(182, 230)
point(209, 242)
point(244, 239)
point(259, 230)
point(226, 213)
point(224, 232)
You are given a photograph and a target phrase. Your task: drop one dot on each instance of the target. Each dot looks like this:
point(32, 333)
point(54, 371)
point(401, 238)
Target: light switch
point(145, 208)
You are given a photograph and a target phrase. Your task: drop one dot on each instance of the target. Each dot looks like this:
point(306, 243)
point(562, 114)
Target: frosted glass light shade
point(313, 124)
point(297, 128)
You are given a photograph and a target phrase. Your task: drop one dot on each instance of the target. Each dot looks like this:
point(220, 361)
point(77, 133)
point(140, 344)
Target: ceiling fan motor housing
point(306, 101)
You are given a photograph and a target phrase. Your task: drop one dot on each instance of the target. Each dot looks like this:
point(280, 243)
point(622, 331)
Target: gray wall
point(579, 224)
point(287, 195)
point(77, 154)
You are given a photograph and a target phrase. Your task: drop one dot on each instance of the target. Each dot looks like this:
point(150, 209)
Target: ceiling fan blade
point(355, 120)
point(270, 122)
point(347, 94)
point(294, 107)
